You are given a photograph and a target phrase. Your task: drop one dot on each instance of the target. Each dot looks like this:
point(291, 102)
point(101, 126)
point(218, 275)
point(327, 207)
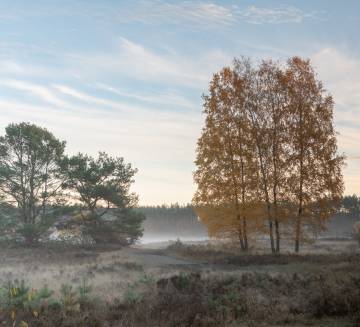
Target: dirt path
point(150, 258)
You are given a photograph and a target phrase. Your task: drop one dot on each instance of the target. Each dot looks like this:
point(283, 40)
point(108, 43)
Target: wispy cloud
point(155, 12)
point(9, 66)
point(134, 60)
point(15, 63)
point(65, 97)
point(66, 90)
point(39, 91)
point(170, 98)
point(212, 14)
point(121, 104)
point(275, 15)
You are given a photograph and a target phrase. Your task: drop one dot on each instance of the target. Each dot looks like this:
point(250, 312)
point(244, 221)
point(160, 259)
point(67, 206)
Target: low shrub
point(252, 299)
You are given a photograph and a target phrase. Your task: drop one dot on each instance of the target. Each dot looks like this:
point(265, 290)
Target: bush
point(252, 299)
point(30, 233)
point(121, 226)
point(68, 298)
point(17, 295)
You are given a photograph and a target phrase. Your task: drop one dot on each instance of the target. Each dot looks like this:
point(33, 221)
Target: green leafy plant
point(182, 281)
point(147, 280)
point(131, 296)
point(39, 298)
point(68, 298)
point(84, 290)
point(16, 294)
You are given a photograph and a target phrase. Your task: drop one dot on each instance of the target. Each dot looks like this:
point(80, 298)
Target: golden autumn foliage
point(315, 178)
point(222, 220)
point(227, 168)
point(267, 156)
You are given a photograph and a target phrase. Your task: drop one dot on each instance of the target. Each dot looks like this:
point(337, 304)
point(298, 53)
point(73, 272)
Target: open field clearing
point(179, 285)
point(110, 270)
point(176, 163)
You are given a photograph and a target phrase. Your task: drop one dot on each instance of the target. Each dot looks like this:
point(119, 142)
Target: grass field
point(202, 284)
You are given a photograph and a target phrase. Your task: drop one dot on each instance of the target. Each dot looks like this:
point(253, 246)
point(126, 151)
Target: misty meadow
point(176, 163)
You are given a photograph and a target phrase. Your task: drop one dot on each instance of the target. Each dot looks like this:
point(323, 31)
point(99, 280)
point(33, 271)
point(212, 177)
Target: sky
point(127, 77)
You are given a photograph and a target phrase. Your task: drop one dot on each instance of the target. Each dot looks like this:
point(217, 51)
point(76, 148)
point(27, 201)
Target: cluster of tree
point(36, 177)
point(267, 159)
point(350, 205)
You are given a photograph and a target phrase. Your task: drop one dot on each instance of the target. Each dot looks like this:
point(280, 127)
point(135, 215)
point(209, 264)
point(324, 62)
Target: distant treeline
point(182, 220)
point(174, 219)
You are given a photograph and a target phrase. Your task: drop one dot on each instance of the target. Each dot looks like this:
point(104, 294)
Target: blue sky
point(127, 77)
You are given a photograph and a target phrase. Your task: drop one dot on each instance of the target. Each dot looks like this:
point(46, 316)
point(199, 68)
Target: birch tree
point(226, 169)
point(315, 177)
point(265, 109)
point(268, 151)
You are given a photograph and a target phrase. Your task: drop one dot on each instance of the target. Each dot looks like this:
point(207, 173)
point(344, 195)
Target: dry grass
point(254, 299)
point(189, 285)
point(108, 271)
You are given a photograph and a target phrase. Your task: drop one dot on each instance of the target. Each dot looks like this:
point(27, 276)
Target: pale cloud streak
point(121, 104)
point(156, 12)
point(39, 91)
point(171, 98)
point(134, 60)
point(273, 15)
point(66, 90)
point(65, 97)
point(209, 14)
point(159, 12)
point(10, 67)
